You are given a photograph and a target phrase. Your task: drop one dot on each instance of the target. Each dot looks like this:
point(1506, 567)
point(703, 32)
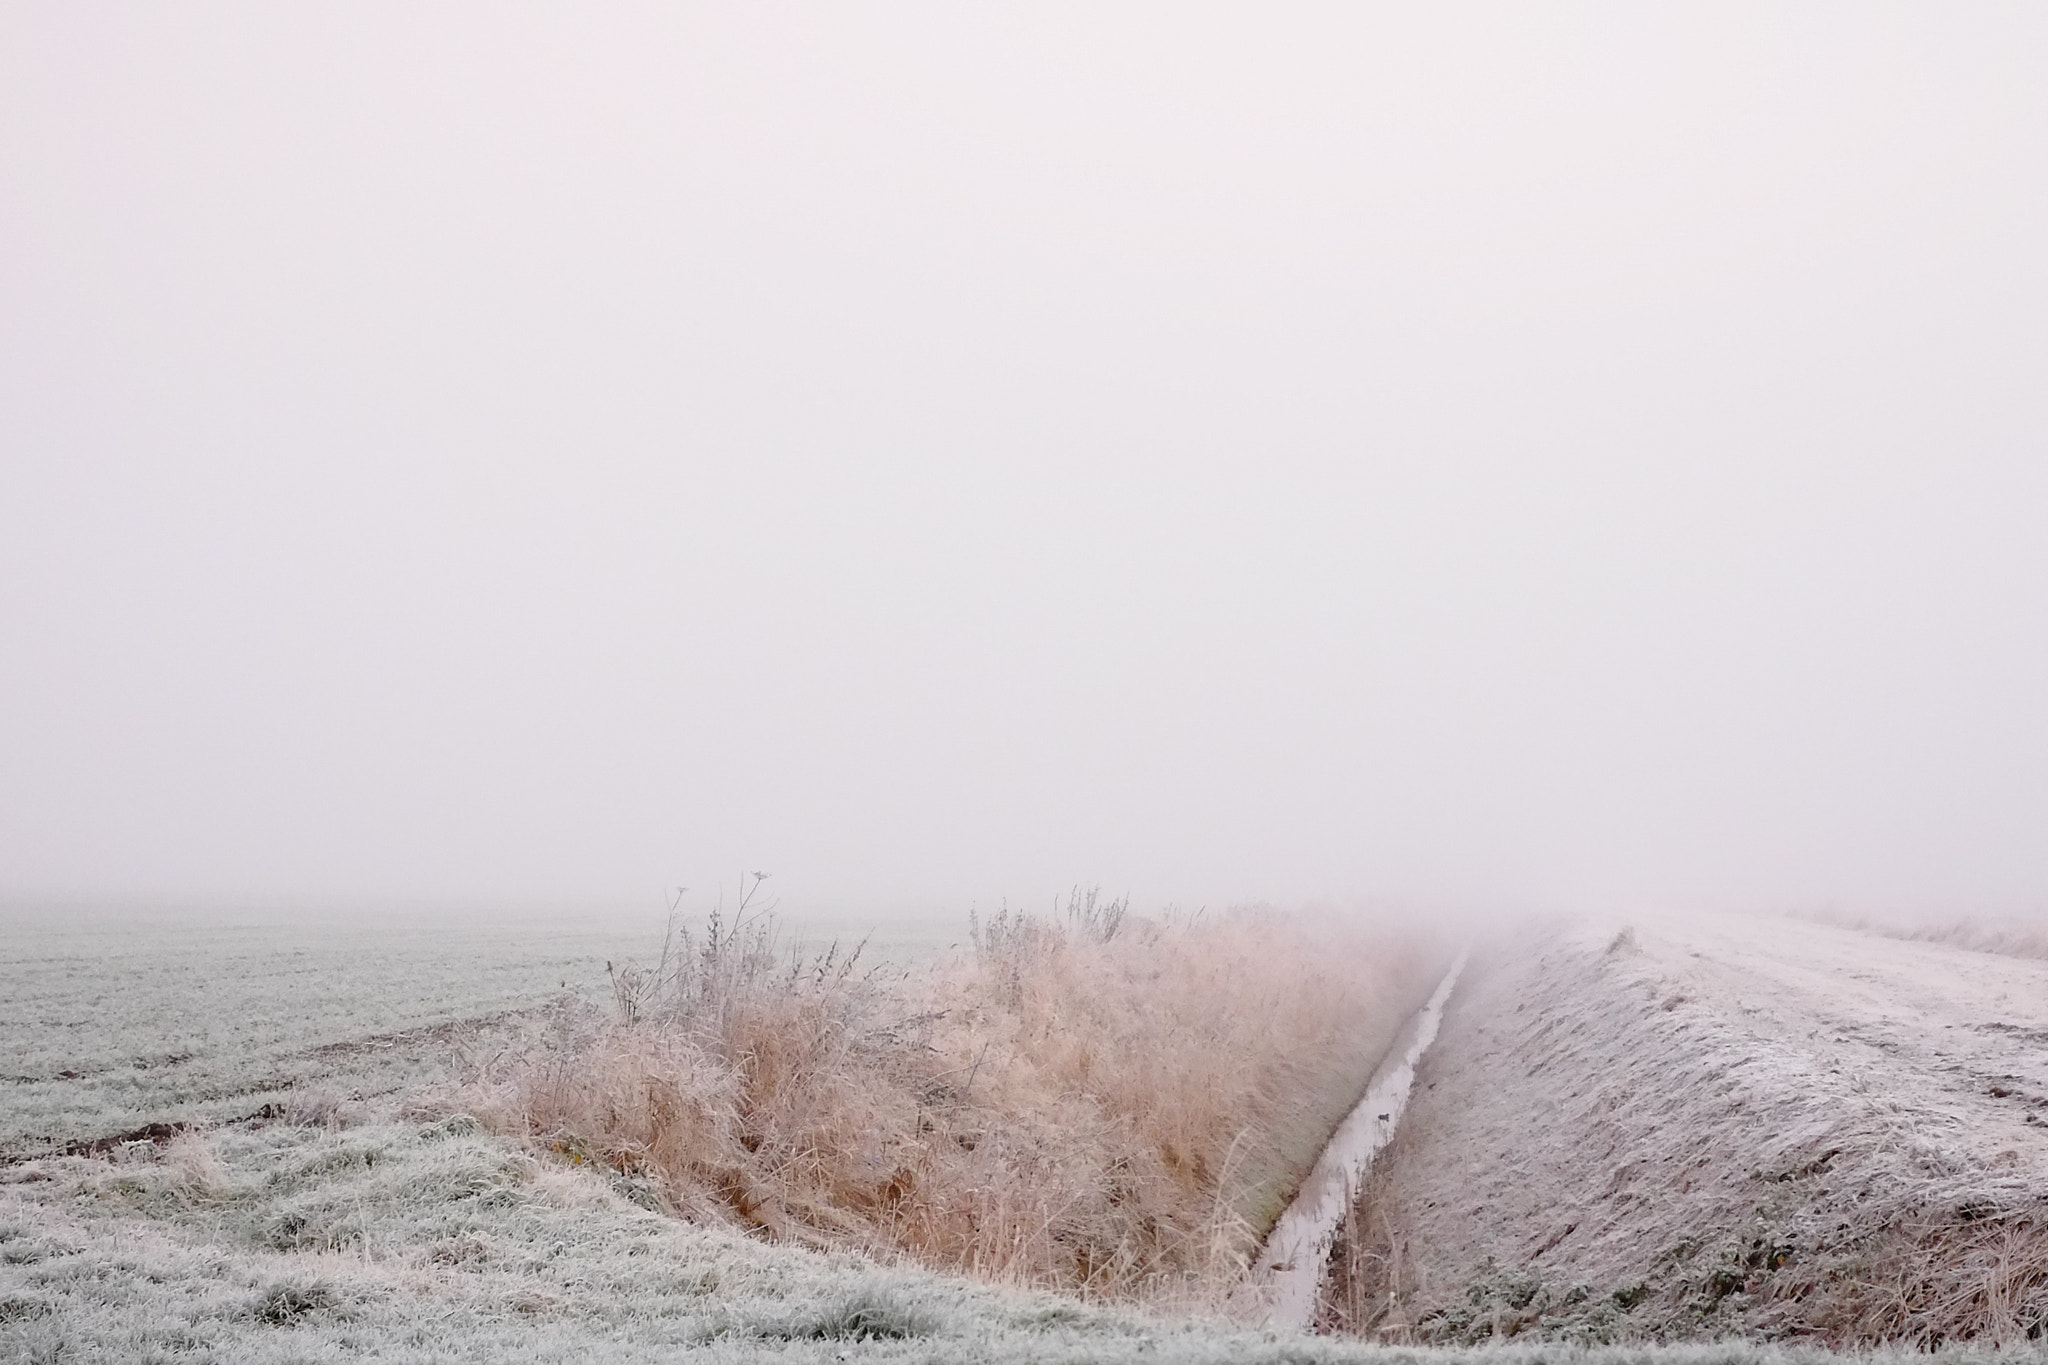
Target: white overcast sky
point(1521, 454)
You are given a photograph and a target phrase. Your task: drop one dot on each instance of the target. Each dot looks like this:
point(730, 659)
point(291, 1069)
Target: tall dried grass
point(1097, 1102)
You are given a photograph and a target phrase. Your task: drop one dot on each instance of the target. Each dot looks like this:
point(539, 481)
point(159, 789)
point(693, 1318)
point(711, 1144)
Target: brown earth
point(1758, 1127)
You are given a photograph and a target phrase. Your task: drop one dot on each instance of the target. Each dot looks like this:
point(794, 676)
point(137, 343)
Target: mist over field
point(1002, 684)
point(1562, 457)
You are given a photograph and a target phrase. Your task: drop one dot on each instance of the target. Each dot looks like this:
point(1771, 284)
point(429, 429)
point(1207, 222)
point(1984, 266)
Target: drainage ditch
point(1285, 1281)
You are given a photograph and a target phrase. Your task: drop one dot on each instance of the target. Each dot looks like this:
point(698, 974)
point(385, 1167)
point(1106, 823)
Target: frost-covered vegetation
point(369, 1236)
point(114, 1021)
point(229, 1141)
point(1094, 1102)
point(430, 1240)
point(251, 1143)
point(1709, 1128)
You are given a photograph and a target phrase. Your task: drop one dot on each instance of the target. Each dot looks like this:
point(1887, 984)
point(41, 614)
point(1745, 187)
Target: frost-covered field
point(218, 1142)
point(1697, 1128)
point(114, 1021)
point(213, 1148)
point(429, 1241)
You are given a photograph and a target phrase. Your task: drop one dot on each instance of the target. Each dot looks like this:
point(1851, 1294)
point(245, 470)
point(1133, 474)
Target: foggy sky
point(1512, 455)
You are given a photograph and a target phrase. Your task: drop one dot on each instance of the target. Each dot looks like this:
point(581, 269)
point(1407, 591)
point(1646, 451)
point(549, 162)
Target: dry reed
point(1099, 1103)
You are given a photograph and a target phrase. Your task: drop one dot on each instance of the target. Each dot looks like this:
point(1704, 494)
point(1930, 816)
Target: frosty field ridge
point(1683, 1129)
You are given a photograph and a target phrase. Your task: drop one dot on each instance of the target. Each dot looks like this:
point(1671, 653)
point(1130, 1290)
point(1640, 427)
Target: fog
point(1443, 455)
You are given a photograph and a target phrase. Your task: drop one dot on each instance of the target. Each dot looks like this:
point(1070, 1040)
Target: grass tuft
point(284, 1303)
point(864, 1315)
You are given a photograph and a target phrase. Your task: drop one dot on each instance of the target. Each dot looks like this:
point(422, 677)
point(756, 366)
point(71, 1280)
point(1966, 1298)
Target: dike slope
point(1755, 1127)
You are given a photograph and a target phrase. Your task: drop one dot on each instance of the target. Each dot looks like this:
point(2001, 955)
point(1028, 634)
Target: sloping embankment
point(1749, 1127)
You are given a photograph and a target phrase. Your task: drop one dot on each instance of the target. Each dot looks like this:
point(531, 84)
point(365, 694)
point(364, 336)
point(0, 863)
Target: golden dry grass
point(1103, 1104)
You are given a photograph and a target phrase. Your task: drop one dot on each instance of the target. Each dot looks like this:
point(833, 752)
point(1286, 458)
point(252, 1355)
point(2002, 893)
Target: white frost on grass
point(344, 1231)
point(1749, 1126)
point(111, 1024)
point(418, 1242)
